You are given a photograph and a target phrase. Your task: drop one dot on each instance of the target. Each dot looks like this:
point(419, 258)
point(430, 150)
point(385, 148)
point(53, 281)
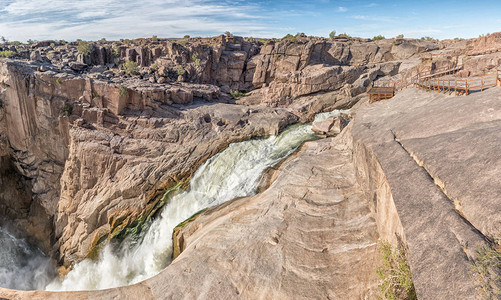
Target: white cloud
point(342, 9)
point(113, 19)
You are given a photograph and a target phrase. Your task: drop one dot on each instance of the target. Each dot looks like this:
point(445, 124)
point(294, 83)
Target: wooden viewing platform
point(378, 93)
point(459, 86)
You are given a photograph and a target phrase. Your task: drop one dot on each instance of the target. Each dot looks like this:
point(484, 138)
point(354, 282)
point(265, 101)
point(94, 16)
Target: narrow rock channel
point(234, 172)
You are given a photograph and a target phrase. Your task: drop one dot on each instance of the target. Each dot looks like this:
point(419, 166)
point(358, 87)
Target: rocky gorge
point(95, 137)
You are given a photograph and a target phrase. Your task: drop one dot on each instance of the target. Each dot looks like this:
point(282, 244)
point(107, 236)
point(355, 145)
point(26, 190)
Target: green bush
point(395, 274)
point(195, 59)
point(332, 34)
point(237, 94)
point(187, 36)
point(84, 47)
point(130, 68)
point(378, 37)
point(345, 35)
point(15, 43)
point(487, 268)
point(290, 37)
point(67, 109)
point(400, 36)
point(180, 71)
point(7, 53)
point(123, 91)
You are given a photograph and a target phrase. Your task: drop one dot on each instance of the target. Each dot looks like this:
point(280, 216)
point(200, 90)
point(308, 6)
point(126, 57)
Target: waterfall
point(234, 172)
point(22, 266)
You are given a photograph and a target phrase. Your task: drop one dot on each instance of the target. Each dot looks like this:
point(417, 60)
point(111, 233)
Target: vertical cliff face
point(92, 149)
point(82, 160)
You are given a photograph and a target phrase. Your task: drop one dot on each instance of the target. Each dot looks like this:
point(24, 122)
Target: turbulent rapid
point(22, 266)
point(234, 172)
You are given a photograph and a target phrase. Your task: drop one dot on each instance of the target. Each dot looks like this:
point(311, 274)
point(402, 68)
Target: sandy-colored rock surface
point(438, 155)
point(310, 235)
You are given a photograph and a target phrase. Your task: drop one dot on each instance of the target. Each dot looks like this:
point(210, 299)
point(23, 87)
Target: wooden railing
point(442, 71)
point(399, 85)
point(460, 86)
point(381, 93)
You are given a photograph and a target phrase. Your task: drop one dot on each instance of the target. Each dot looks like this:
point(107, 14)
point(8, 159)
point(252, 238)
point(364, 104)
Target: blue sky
point(115, 19)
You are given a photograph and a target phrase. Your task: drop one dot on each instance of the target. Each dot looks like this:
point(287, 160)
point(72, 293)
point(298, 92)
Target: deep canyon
point(106, 147)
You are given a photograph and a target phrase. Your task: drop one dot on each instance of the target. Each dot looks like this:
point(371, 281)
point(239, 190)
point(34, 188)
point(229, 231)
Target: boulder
point(330, 126)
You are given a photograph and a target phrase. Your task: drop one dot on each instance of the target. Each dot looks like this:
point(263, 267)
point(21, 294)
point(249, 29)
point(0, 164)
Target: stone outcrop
point(316, 238)
point(432, 185)
point(55, 129)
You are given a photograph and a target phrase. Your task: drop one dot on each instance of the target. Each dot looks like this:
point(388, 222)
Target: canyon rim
point(228, 167)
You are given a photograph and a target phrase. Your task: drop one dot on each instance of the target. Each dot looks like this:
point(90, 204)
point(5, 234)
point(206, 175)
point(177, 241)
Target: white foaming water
point(22, 267)
point(235, 172)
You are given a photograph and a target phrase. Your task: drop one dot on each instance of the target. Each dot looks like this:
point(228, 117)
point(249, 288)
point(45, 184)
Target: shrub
point(180, 71)
point(237, 94)
point(30, 41)
point(123, 91)
point(7, 53)
point(187, 36)
point(395, 274)
point(16, 43)
point(130, 68)
point(67, 109)
point(400, 36)
point(227, 33)
point(84, 47)
point(195, 58)
point(427, 38)
point(487, 268)
point(345, 35)
point(290, 37)
point(183, 43)
point(332, 34)
point(378, 37)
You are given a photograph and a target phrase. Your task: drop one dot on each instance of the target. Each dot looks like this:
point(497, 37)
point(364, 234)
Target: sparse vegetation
point(67, 109)
point(4, 39)
point(84, 48)
point(52, 45)
point(228, 34)
point(345, 35)
point(30, 41)
point(183, 43)
point(7, 53)
point(123, 91)
point(15, 43)
point(400, 36)
point(378, 37)
point(195, 59)
point(395, 274)
point(154, 66)
point(58, 80)
point(487, 269)
point(180, 71)
point(332, 34)
point(427, 38)
point(187, 36)
point(95, 95)
point(237, 94)
point(290, 37)
point(130, 68)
